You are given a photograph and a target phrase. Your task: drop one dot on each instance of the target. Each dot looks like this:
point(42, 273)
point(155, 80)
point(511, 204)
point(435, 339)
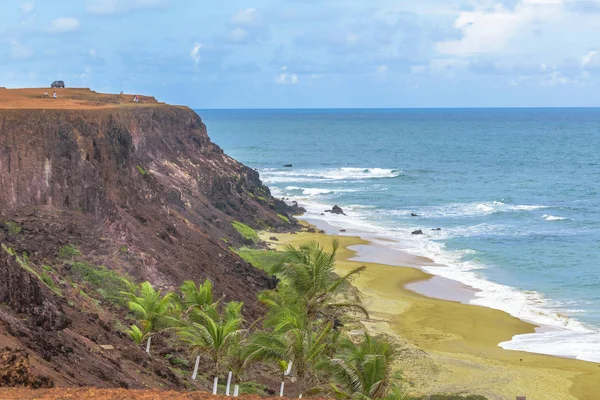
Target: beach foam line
point(531, 306)
point(552, 218)
point(275, 175)
point(463, 210)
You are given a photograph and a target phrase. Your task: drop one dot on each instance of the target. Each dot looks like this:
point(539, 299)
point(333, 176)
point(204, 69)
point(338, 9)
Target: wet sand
point(447, 346)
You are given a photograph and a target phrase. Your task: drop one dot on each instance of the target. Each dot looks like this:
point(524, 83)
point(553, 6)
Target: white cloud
point(589, 57)
point(247, 17)
point(286, 78)
point(238, 34)
point(65, 25)
point(93, 53)
point(383, 69)
point(115, 7)
point(20, 51)
point(195, 53)
point(27, 8)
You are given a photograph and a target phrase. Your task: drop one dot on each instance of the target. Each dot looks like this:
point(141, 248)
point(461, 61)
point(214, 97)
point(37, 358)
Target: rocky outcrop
point(336, 210)
point(25, 294)
point(15, 371)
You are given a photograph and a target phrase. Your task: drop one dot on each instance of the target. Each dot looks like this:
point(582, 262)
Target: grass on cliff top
point(246, 232)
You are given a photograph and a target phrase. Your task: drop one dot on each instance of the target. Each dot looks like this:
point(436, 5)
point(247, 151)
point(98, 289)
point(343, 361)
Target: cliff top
point(75, 99)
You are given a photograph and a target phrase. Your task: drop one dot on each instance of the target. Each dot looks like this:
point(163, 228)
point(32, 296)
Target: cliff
point(131, 189)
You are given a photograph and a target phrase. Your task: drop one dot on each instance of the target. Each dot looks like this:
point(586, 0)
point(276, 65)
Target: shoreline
point(448, 345)
point(556, 334)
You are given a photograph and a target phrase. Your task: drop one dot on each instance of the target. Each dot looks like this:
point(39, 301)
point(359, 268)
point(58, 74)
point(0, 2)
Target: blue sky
point(310, 53)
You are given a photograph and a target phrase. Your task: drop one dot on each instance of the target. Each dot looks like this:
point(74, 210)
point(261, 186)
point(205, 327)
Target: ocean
point(514, 191)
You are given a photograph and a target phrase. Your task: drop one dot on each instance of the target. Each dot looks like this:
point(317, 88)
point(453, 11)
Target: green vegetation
point(284, 218)
point(23, 261)
point(260, 198)
point(105, 282)
point(267, 260)
point(304, 335)
point(246, 232)
point(13, 228)
point(47, 279)
point(142, 170)
point(69, 251)
point(124, 249)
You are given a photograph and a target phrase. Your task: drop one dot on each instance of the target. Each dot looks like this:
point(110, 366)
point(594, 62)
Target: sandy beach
point(448, 346)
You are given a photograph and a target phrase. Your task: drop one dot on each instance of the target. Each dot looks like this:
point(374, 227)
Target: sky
point(310, 53)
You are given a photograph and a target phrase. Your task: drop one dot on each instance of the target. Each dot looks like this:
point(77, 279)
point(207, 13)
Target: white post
point(300, 396)
point(215, 383)
point(236, 390)
point(289, 369)
point(148, 345)
point(281, 389)
point(195, 374)
point(228, 384)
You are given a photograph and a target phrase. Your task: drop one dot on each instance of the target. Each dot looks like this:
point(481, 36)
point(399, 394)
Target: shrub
point(141, 170)
point(69, 251)
point(13, 228)
point(105, 282)
point(284, 218)
point(246, 232)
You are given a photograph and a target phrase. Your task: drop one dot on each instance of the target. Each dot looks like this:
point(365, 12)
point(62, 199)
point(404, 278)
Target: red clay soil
point(110, 394)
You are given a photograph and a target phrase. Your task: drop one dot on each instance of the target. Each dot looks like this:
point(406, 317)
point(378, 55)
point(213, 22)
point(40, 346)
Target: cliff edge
point(95, 183)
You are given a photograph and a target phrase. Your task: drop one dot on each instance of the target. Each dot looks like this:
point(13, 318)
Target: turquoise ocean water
point(515, 192)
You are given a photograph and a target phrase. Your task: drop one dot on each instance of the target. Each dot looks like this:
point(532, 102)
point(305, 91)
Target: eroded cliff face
point(140, 190)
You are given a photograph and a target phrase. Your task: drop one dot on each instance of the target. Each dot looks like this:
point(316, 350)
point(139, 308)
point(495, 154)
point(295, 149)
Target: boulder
point(342, 230)
point(336, 210)
point(288, 166)
point(437, 229)
point(414, 215)
point(311, 230)
point(418, 232)
point(274, 239)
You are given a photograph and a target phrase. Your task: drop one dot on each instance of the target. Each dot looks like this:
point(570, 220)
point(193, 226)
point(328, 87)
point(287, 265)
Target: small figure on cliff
point(54, 95)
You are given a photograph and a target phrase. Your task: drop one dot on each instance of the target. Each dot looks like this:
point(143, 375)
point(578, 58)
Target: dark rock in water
point(419, 232)
point(414, 215)
point(322, 213)
point(288, 166)
point(437, 229)
point(296, 210)
point(274, 239)
point(336, 210)
point(342, 230)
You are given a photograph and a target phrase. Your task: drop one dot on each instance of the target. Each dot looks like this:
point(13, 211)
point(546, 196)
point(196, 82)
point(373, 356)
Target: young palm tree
point(309, 271)
point(292, 340)
point(213, 333)
point(151, 309)
point(364, 371)
point(200, 298)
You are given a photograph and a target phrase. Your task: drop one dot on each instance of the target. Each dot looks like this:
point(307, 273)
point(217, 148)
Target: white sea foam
point(270, 175)
point(562, 335)
point(464, 210)
point(552, 218)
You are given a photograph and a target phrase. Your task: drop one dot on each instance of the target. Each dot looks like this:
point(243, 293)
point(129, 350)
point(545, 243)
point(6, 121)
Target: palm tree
point(364, 371)
point(201, 298)
point(151, 310)
point(310, 271)
point(292, 340)
point(213, 333)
